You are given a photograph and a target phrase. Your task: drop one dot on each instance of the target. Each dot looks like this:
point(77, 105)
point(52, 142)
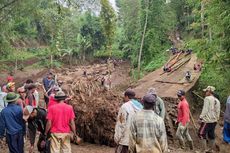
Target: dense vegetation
point(85, 29)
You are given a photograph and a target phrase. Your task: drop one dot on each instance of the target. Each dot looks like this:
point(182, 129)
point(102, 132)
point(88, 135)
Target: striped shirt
point(147, 133)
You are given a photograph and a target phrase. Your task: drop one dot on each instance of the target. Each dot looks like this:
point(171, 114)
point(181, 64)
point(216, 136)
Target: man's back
point(148, 133)
point(211, 109)
point(12, 116)
point(60, 116)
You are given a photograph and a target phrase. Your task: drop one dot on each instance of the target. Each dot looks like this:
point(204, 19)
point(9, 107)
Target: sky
point(113, 3)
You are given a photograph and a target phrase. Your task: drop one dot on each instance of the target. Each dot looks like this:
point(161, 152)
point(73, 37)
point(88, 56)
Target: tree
point(108, 21)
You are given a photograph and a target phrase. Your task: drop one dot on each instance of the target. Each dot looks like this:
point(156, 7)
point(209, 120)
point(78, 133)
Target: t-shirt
point(183, 112)
point(48, 84)
point(60, 116)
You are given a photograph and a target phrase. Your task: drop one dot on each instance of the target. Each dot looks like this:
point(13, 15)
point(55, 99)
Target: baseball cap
point(210, 88)
point(180, 93)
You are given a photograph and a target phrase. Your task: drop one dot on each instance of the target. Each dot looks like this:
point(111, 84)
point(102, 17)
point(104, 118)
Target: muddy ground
point(121, 81)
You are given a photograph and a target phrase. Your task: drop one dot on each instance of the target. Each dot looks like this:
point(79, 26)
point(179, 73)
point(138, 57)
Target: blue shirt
point(13, 119)
point(48, 84)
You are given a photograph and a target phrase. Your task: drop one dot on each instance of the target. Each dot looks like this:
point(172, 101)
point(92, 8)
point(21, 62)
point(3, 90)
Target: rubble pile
point(95, 108)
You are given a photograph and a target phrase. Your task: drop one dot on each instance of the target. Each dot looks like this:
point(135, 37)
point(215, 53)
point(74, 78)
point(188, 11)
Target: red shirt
point(52, 101)
point(60, 116)
point(183, 112)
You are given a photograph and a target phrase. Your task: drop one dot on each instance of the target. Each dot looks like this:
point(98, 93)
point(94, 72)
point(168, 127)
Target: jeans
point(2, 126)
point(15, 142)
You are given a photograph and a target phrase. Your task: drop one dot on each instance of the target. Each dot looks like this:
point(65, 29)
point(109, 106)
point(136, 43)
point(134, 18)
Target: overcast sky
point(114, 5)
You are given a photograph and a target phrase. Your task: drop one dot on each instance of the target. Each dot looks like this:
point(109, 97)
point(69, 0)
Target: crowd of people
point(21, 117)
point(140, 126)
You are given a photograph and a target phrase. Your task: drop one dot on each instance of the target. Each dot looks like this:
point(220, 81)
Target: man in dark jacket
point(37, 122)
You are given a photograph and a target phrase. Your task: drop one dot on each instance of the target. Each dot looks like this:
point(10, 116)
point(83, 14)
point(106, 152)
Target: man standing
point(48, 83)
point(126, 112)
point(3, 104)
point(30, 98)
point(226, 131)
point(208, 118)
point(13, 122)
point(159, 106)
point(147, 130)
point(60, 122)
point(183, 119)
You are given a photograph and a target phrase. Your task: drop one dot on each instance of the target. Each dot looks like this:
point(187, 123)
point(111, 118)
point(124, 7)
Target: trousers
point(182, 133)
point(60, 143)
point(15, 142)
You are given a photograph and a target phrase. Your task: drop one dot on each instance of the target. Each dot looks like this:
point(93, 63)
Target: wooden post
point(142, 41)
point(202, 18)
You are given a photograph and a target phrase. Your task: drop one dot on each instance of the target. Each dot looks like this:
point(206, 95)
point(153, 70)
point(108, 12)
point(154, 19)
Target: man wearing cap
point(13, 123)
point(209, 116)
point(159, 106)
point(183, 119)
point(126, 112)
point(10, 87)
point(147, 131)
point(60, 123)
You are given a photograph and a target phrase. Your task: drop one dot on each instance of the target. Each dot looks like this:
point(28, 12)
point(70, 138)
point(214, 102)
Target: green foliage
point(214, 47)
point(108, 20)
point(157, 62)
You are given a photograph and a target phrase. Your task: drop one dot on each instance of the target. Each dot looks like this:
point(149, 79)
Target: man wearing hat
point(208, 118)
point(147, 130)
point(60, 123)
point(183, 119)
point(126, 112)
point(159, 106)
point(13, 122)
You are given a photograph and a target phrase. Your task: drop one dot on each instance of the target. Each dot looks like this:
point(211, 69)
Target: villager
point(30, 98)
point(37, 122)
point(60, 123)
point(36, 94)
point(183, 119)
point(209, 116)
point(21, 100)
point(48, 83)
point(126, 112)
point(147, 130)
point(188, 75)
point(10, 87)
point(52, 100)
point(226, 130)
point(9, 79)
point(13, 123)
point(3, 104)
point(159, 106)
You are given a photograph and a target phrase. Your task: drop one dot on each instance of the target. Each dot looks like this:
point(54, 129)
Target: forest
point(138, 31)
